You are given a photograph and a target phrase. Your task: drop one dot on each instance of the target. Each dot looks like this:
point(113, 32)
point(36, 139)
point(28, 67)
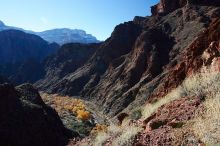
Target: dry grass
point(101, 138)
point(203, 84)
point(117, 135)
point(98, 129)
point(149, 109)
point(207, 125)
point(127, 137)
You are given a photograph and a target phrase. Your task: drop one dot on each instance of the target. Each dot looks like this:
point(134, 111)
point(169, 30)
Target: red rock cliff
point(167, 6)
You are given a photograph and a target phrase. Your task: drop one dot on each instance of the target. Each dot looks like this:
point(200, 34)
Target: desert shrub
point(119, 135)
point(127, 137)
point(101, 138)
point(135, 115)
point(98, 129)
point(207, 124)
point(113, 131)
point(82, 127)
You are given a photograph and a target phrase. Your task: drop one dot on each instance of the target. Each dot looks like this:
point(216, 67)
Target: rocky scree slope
point(26, 120)
point(67, 60)
point(145, 58)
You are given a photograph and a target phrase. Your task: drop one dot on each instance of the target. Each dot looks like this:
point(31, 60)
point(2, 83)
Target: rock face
point(67, 60)
point(26, 120)
point(28, 71)
point(21, 56)
point(144, 59)
point(167, 6)
point(64, 35)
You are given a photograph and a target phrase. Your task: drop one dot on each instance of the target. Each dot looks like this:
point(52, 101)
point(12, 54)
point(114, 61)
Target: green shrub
point(136, 115)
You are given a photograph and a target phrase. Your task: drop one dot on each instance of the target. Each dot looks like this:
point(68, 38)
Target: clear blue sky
point(97, 17)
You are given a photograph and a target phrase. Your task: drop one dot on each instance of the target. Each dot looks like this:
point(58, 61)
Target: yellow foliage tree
point(83, 115)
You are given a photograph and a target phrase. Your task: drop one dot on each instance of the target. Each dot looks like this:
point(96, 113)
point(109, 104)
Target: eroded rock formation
point(167, 6)
point(144, 59)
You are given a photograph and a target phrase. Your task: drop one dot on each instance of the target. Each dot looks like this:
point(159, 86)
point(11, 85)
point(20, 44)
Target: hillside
point(20, 52)
point(164, 90)
point(67, 60)
point(17, 46)
point(135, 65)
point(154, 82)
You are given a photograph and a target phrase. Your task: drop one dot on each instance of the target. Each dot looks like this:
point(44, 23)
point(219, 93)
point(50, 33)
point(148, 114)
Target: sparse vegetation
point(72, 111)
point(99, 128)
point(136, 114)
point(127, 137)
point(75, 106)
point(207, 125)
point(117, 135)
point(112, 132)
point(203, 84)
point(149, 109)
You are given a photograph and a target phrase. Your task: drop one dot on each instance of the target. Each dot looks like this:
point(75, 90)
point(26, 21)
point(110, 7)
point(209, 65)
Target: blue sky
point(97, 17)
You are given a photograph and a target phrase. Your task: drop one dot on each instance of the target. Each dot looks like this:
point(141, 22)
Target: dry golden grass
point(149, 109)
point(127, 137)
point(101, 138)
point(117, 135)
point(112, 132)
point(207, 125)
point(203, 84)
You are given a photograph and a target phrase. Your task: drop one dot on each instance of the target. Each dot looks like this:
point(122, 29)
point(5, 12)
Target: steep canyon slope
point(21, 56)
point(27, 120)
point(145, 58)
